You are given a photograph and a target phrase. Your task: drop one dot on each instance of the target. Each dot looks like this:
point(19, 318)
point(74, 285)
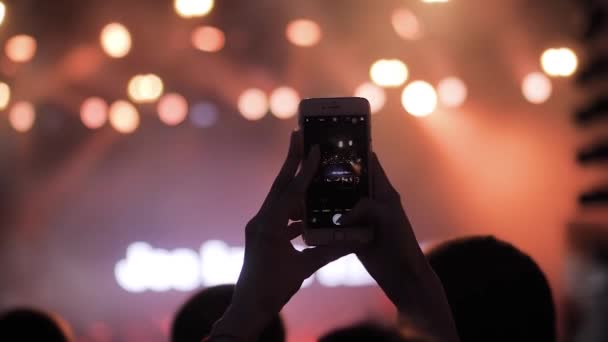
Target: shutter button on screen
point(335, 219)
point(338, 236)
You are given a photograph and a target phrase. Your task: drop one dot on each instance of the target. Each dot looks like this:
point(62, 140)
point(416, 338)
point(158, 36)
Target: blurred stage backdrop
point(138, 137)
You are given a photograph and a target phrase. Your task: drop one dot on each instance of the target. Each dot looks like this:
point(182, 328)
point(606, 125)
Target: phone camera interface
point(341, 179)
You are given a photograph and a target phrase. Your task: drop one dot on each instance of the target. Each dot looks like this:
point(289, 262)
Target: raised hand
point(394, 259)
point(273, 270)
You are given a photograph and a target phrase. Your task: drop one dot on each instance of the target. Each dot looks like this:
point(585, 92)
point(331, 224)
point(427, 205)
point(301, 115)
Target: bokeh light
point(172, 109)
point(22, 116)
point(204, 114)
point(94, 112)
point(208, 39)
point(115, 40)
point(253, 104)
point(374, 94)
point(145, 88)
point(284, 102)
point(435, 1)
point(452, 92)
point(124, 117)
point(419, 98)
point(193, 8)
point(20, 48)
point(537, 87)
point(2, 12)
point(560, 62)
point(406, 24)
point(5, 95)
point(303, 32)
point(389, 72)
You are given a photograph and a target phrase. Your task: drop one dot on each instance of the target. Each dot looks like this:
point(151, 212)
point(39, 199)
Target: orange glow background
point(73, 198)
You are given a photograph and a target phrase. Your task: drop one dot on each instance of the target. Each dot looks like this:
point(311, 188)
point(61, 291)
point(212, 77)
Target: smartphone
point(341, 127)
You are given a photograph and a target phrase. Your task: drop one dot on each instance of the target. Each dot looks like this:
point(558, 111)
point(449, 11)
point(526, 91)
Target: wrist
point(408, 292)
point(241, 322)
point(423, 303)
point(403, 280)
point(417, 289)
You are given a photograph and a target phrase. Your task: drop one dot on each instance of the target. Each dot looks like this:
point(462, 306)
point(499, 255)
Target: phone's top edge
point(351, 98)
point(339, 102)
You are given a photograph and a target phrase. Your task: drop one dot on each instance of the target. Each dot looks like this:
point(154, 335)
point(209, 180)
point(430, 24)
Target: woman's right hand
point(394, 259)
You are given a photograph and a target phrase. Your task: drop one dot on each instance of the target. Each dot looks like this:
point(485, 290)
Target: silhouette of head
point(195, 319)
point(368, 331)
point(30, 325)
point(496, 292)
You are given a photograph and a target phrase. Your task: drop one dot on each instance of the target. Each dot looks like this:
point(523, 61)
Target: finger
point(295, 194)
point(294, 197)
point(296, 212)
point(294, 229)
point(288, 170)
point(365, 212)
point(383, 189)
point(315, 258)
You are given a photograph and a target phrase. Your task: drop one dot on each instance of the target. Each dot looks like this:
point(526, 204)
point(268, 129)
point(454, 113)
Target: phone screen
point(342, 177)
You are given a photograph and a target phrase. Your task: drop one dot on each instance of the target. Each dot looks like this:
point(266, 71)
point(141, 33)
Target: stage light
point(560, 62)
point(303, 32)
point(115, 40)
point(208, 39)
point(22, 116)
point(2, 12)
point(133, 87)
point(419, 98)
point(20, 48)
point(537, 87)
point(452, 92)
point(226, 272)
point(284, 102)
point(124, 117)
point(406, 24)
point(5, 95)
point(193, 8)
point(253, 104)
point(374, 94)
point(172, 109)
point(94, 112)
point(145, 88)
point(204, 114)
point(389, 72)
point(184, 275)
point(147, 268)
point(346, 271)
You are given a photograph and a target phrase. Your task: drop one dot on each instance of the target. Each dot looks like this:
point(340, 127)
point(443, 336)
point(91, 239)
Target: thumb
point(316, 257)
point(365, 212)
